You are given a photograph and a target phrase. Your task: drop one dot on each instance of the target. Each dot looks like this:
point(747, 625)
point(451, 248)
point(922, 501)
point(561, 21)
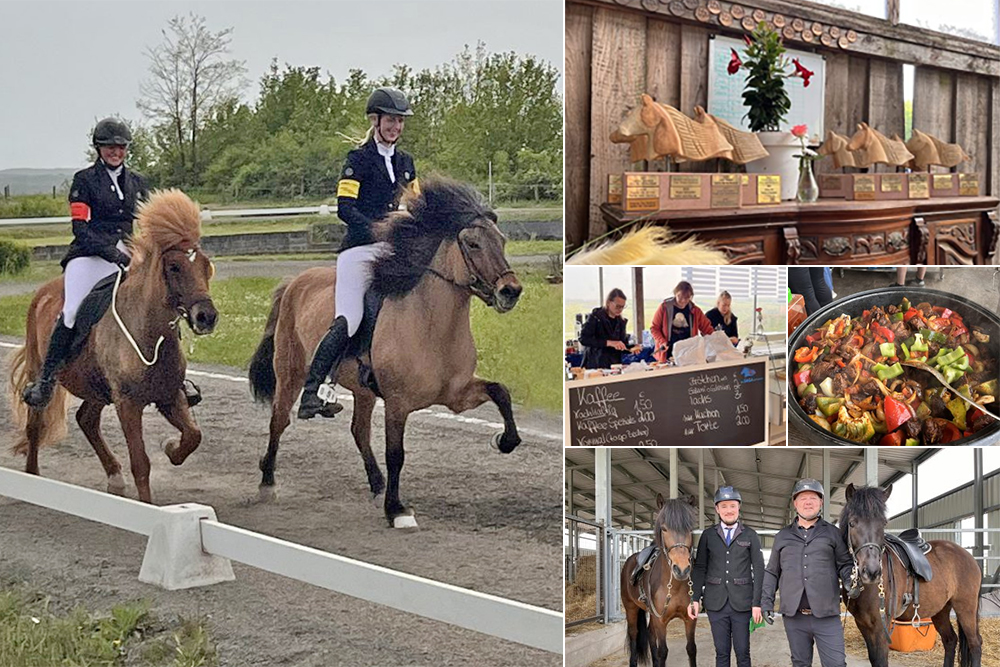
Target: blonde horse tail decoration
point(649, 245)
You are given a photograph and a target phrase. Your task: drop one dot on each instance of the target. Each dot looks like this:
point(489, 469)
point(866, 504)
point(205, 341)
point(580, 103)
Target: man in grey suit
point(809, 560)
point(729, 575)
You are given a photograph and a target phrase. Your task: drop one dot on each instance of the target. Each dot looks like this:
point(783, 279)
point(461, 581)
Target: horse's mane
point(442, 209)
point(168, 219)
point(867, 504)
point(677, 516)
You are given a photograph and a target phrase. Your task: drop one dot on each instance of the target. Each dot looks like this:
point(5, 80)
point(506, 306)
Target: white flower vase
point(782, 148)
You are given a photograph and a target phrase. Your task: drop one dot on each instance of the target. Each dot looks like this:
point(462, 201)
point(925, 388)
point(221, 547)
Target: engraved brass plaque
point(642, 180)
point(684, 186)
point(968, 185)
point(892, 183)
point(919, 186)
point(642, 204)
point(726, 190)
point(864, 186)
point(768, 189)
point(615, 189)
point(943, 181)
point(831, 181)
point(643, 193)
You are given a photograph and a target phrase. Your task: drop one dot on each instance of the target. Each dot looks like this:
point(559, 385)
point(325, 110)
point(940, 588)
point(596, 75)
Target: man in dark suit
point(809, 562)
point(729, 576)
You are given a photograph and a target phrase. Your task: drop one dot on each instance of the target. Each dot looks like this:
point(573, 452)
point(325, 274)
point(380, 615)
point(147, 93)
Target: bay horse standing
point(954, 585)
point(663, 592)
point(447, 249)
point(168, 280)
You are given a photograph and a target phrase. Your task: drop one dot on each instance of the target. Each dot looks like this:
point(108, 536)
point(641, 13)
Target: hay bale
point(581, 595)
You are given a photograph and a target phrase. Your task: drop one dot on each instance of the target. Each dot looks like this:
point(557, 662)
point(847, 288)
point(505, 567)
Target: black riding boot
point(192, 393)
point(39, 393)
point(325, 362)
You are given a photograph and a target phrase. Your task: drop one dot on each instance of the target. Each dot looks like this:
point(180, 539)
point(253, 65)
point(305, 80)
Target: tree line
point(483, 112)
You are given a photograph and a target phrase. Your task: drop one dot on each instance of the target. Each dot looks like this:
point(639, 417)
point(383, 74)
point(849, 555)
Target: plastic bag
point(720, 348)
point(690, 352)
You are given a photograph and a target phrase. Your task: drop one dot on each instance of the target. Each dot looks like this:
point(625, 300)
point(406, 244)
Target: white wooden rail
point(507, 619)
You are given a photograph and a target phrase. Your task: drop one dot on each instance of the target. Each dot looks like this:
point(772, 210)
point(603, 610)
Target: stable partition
point(618, 49)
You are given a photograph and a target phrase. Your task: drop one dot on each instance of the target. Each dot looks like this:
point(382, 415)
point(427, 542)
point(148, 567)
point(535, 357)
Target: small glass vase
point(808, 189)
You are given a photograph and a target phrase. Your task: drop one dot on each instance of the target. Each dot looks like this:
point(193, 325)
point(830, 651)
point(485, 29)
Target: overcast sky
point(67, 64)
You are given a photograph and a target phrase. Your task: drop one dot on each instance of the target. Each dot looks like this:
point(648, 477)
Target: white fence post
point(174, 556)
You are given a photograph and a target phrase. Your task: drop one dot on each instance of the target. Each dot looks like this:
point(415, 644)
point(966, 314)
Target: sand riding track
point(488, 521)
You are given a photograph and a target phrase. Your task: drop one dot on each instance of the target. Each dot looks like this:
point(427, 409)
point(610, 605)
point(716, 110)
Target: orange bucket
point(908, 639)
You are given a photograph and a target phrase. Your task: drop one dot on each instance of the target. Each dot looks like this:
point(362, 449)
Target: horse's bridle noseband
point(670, 581)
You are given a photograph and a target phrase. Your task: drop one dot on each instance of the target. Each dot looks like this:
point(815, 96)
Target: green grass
point(31, 635)
point(519, 348)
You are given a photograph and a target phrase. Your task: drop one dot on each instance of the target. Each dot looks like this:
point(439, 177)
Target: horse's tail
point(640, 648)
point(964, 650)
point(25, 364)
point(262, 377)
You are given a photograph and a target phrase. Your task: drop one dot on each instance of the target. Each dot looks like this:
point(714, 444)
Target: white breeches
point(354, 275)
point(81, 275)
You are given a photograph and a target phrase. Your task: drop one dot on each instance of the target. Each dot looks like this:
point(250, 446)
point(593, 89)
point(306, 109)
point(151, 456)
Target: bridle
point(670, 580)
point(477, 285)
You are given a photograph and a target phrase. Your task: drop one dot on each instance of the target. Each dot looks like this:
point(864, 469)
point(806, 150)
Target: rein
point(887, 613)
point(181, 313)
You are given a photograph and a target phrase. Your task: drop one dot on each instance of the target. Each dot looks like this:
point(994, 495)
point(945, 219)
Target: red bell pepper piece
point(908, 315)
point(891, 440)
point(897, 413)
point(957, 328)
point(803, 377)
point(804, 355)
point(951, 433)
point(943, 312)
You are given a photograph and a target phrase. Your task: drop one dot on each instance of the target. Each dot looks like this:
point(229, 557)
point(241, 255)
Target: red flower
point(734, 62)
point(802, 72)
point(800, 131)
point(746, 38)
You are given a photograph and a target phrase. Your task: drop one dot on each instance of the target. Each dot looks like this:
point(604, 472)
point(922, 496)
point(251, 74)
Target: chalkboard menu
point(717, 405)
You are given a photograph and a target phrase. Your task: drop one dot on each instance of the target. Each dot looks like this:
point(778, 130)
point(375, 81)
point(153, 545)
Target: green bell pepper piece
point(829, 406)
point(887, 349)
point(958, 408)
point(888, 372)
point(912, 442)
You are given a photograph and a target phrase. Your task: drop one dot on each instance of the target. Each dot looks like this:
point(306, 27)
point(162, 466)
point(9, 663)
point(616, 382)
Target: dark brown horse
point(168, 281)
point(447, 249)
point(955, 583)
point(663, 592)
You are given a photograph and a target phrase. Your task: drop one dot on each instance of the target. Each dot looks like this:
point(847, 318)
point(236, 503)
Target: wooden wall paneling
point(994, 139)
point(694, 82)
point(972, 105)
point(618, 76)
point(836, 96)
point(858, 100)
point(576, 177)
point(934, 103)
point(663, 61)
point(886, 111)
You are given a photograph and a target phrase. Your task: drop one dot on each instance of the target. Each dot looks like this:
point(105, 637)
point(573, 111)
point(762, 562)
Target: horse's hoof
point(116, 485)
point(378, 499)
point(267, 494)
point(405, 522)
point(495, 441)
point(170, 445)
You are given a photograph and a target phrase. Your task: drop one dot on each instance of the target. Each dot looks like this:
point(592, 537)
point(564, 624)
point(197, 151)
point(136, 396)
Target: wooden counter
point(956, 230)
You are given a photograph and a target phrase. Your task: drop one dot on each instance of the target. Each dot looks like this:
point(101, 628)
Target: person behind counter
point(723, 318)
point(677, 319)
point(604, 336)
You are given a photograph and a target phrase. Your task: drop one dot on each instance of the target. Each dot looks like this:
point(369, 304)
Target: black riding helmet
point(808, 485)
point(388, 101)
point(112, 132)
point(728, 493)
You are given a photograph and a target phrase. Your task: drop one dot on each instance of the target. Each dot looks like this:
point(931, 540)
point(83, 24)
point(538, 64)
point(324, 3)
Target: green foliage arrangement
point(14, 258)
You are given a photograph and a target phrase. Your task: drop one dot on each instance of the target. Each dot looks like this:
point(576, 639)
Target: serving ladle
point(940, 378)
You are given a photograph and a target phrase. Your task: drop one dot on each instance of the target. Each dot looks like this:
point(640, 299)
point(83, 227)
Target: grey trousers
point(827, 633)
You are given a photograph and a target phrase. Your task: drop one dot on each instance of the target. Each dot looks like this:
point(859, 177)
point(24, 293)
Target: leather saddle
point(912, 550)
point(360, 345)
point(643, 562)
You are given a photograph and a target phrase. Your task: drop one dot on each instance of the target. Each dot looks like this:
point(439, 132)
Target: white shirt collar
point(384, 150)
